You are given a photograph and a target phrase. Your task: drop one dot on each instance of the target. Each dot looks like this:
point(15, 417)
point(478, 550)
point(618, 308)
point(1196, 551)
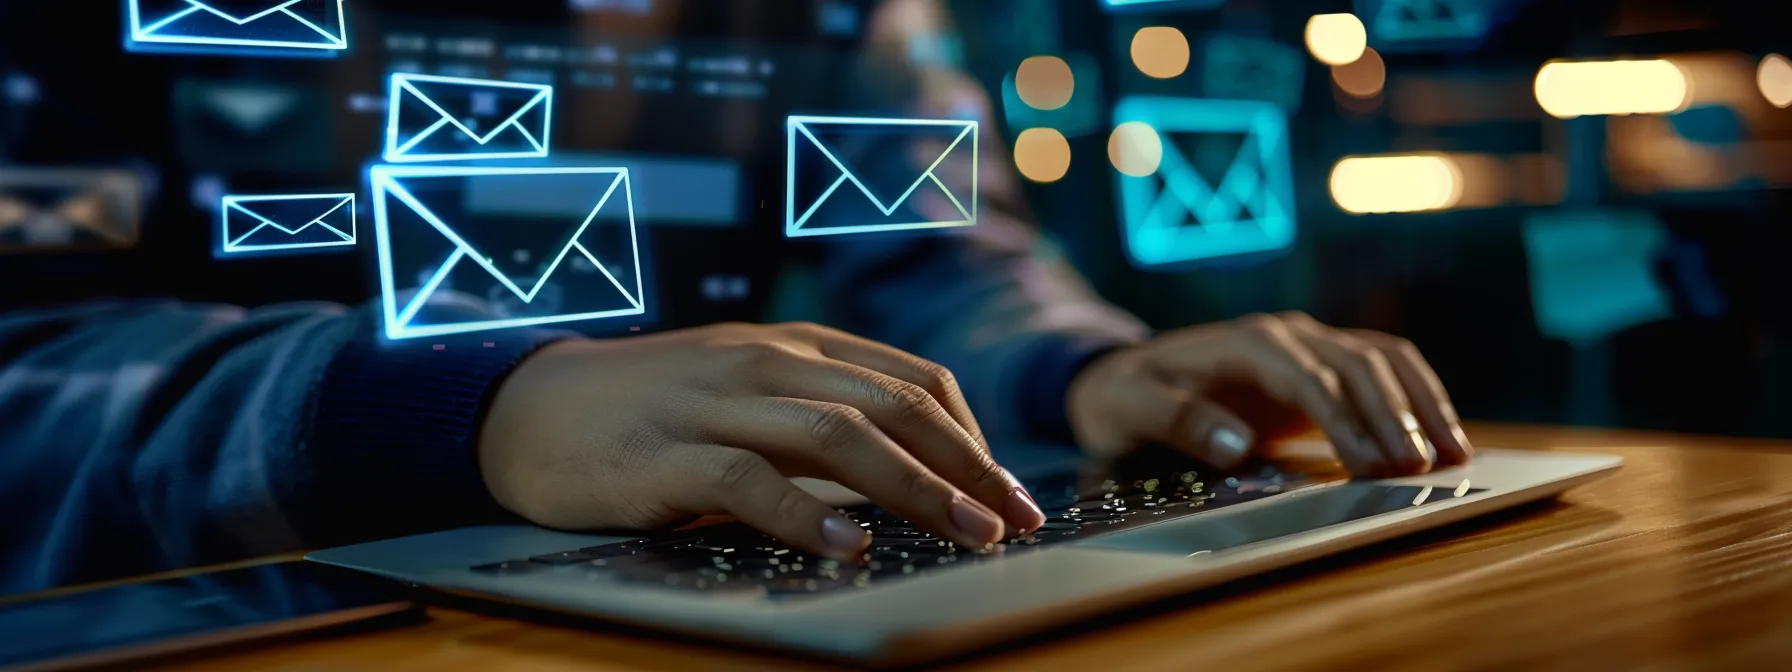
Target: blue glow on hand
point(287, 223)
point(804, 149)
point(407, 225)
point(272, 27)
point(1176, 216)
point(420, 126)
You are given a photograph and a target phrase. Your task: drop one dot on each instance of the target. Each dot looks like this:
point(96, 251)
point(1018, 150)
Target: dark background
point(1459, 283)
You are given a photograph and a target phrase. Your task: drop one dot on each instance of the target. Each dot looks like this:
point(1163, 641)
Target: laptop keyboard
point(732, 558)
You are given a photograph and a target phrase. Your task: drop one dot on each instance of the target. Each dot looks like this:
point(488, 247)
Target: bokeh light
point(1363, 78)
point(1396, 183)
point(1135, 149)
point(1042, 154)
point(1336, 39)
point(1775, 79)
point(1160, 51)
point(1044, 82)
point(1568, 89)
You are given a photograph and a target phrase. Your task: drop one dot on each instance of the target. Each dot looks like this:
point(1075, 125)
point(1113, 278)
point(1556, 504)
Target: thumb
point(1195, 426)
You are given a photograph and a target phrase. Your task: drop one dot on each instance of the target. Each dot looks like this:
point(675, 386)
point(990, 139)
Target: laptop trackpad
point(1292, 513)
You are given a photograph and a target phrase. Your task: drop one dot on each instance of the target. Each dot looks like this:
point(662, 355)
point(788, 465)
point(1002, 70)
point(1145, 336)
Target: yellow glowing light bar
point(1396, 183)
point(1568, 89)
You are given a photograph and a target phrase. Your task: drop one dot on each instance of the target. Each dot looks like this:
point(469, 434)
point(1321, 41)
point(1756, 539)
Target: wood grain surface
point(1682, 561)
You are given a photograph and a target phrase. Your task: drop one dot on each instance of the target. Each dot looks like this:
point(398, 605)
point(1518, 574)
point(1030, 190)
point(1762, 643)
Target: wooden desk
point(1681, 561)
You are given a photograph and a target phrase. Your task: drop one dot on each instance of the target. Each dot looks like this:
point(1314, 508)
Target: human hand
point(1215, 391)
point(655, 431)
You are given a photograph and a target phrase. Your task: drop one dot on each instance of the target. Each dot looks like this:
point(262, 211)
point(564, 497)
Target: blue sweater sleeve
point(146, 436)
point(1012, 321)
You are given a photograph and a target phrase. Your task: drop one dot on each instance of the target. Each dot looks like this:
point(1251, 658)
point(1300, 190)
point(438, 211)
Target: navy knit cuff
point(1046, 384)
point(394, 435)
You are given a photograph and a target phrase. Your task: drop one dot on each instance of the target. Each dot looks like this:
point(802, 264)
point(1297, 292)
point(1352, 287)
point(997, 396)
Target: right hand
point(655, 431)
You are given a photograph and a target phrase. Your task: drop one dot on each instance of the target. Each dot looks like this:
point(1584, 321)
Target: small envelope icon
point(277, 223)
point(434, 118)
point(1242, 204)
point(505, 238)
point(1422, 24)
point(271, 24)
point(855, 174)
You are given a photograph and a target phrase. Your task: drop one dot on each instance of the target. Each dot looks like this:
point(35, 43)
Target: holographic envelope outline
point(1434, 24)
point(248, 223)
point(1120, 6)
point(325, 29)
point(401, 141)
point(1259, 180)
point(388, 185)
point(800, 125)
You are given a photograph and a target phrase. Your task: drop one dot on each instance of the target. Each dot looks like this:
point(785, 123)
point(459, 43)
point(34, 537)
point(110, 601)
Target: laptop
point(1117, 535)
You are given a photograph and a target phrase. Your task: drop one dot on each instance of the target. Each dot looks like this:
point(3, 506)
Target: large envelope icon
point(271, 24)
point(857, 175)
point(1179, 215)
point(434, 118)
point(530, 246)
point(287, 223)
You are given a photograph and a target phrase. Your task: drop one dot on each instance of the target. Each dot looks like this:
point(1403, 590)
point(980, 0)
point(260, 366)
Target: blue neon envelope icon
point(859, 175)
point(277, 223)
point(507, 239)
point(434, 118)
point(1223, 187)
point(258, 24)
point(1424, 25)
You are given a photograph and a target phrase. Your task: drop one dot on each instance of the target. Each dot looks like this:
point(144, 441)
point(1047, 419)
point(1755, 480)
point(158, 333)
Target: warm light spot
point(1775, 79)
point(1396, 183)
point(1568, 89)
point(1362, 78)
point(1044, 82)
point(1336, 39)
point(1042, 154)
point(1160, 51)
point(1135, 149)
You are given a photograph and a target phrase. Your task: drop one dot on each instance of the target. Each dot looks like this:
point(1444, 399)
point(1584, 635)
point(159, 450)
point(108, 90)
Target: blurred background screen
point(1573, 208)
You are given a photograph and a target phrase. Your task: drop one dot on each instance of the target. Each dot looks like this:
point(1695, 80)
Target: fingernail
point(1229, 447)
point(844, 536)
point(1022, 511)
point(976, 524)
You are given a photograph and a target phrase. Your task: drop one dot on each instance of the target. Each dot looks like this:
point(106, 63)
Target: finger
point(745, 485)
point(1195, 426)
point(1262, 350)
point(894, 362)
point(848, 448)
point(1213, 434)
point(1376, 395)
point(919, 425)
point(1427, 396)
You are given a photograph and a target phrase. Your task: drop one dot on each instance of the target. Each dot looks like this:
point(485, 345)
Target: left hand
point(1218, 391)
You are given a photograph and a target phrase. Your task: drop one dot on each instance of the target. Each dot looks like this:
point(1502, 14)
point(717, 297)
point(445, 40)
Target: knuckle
point(909, 403)
point(1401, 347)
point(791, 505)
point(758, 353)
point(837, 427)
point(988, 472)
point(918, 483)
point(737, 469)
point(1297, 318)
point(939, 375)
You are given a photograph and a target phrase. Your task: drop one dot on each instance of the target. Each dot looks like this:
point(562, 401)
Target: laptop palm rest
point(1294, 513)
